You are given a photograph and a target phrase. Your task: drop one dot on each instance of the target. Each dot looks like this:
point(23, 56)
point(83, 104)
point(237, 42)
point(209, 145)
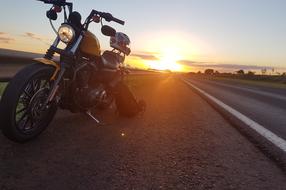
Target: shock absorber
point(49, 54)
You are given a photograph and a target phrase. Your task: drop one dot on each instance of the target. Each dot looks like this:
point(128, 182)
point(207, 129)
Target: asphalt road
point(264, 105)
point(179, 143)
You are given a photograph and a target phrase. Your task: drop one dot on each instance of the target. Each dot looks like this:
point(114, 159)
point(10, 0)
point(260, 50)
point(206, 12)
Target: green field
point(256, 80)
point(273, 84)
point(132, 81)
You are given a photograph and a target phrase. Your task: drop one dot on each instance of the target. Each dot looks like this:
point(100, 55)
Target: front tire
point(23, 116)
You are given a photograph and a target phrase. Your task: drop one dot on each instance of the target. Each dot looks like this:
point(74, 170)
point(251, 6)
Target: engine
point(85, 91)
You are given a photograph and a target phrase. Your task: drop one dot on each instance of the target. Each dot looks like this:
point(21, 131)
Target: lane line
point(276, 140)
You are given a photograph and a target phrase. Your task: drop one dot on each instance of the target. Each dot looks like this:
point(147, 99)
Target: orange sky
point(226, 35)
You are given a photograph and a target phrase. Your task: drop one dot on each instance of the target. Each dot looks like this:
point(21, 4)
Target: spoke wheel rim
point(30, 106)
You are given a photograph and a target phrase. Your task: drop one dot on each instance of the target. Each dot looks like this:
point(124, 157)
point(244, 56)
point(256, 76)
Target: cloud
point(145, 56)
point(190, 63)
point(37, 37)
point(222, 66)
point(33, 36)
point(4, 38)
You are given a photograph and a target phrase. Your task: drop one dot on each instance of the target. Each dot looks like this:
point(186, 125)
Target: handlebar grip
point(42, 1)
point(107, 16)
point(118, 21)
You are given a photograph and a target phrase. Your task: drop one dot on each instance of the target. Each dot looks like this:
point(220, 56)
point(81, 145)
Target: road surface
point(179, 143)
point(264, 105)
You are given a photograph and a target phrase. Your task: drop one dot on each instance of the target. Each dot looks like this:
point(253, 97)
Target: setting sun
point(167, 60)
point(169, 48)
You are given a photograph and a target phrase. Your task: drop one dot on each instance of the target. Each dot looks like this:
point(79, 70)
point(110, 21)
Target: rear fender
point(49, 62)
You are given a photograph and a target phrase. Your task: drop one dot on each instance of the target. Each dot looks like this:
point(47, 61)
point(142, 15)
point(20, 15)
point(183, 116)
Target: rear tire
point(125, 101)
point(22, 117)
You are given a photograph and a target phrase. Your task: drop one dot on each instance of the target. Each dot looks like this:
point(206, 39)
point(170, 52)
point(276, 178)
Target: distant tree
point(251, 73)
point(199, 72)
point(264, 71)
point(283, 74)
point(217, 72)
point(209, 71)
point(240, 72)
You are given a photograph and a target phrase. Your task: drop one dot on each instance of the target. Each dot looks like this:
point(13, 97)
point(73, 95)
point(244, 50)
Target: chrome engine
point(86, 92)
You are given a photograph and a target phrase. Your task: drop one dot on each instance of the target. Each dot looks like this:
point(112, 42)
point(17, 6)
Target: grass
point(253, 82)
point(2, 87)
point(133, 81)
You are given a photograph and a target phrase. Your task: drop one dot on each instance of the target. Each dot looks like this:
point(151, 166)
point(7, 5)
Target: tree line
point(242, 72)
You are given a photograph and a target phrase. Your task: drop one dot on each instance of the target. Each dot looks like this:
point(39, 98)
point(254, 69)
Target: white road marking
point(276, 140)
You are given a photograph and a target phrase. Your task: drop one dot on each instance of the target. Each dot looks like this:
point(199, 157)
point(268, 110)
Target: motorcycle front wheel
point(23, 113)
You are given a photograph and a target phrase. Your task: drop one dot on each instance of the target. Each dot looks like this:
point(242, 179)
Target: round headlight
point(66, 33)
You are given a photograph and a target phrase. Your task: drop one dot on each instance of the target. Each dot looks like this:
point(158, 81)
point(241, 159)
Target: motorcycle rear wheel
point(126, 102)
point(23, 113)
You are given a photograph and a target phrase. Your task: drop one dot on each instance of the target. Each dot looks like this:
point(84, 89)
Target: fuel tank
point(90, 44)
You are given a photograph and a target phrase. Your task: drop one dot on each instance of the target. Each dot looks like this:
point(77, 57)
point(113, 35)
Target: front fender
point(49, 62)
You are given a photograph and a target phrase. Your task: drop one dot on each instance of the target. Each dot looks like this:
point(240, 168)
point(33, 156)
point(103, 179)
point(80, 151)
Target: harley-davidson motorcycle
point(82, 80)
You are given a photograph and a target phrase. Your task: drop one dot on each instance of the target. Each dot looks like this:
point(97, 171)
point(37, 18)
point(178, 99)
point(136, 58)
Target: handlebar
point(107, 16)
point(59, 3)
point(55, 2)
point(118, 21)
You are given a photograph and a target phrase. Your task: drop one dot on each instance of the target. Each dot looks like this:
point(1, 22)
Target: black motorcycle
point(82, 80)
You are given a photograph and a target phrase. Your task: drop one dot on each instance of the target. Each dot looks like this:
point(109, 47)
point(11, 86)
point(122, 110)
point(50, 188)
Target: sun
point(167, 60)
point(170, 48)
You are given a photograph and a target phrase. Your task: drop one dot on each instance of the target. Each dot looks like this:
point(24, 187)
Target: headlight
point(66, 33)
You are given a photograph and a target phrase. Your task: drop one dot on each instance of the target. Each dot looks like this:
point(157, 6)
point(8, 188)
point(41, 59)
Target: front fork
point(55, 86)
point(66, 54)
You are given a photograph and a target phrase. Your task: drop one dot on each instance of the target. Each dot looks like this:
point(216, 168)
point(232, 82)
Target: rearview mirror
point(108, 31)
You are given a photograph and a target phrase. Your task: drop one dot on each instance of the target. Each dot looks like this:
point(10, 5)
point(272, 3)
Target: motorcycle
point(82, 80)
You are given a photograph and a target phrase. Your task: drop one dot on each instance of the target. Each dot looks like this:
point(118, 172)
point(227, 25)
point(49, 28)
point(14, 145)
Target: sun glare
point(167, 60)
point(170, 48)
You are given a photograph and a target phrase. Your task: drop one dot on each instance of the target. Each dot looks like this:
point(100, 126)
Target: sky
point(166, 34)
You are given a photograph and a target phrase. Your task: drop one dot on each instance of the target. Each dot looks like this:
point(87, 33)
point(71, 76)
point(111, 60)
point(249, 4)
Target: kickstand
point(88, 113)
